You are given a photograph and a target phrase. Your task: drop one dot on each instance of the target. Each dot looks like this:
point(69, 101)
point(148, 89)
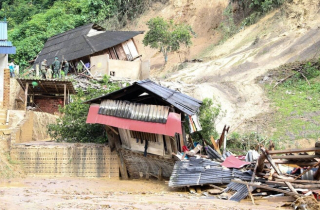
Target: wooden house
point(93, 44)
point(144, 124)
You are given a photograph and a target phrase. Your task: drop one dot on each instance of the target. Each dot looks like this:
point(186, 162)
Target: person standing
point(43, 68)
point(65, 67)
point(56, 68)
point(11, 68)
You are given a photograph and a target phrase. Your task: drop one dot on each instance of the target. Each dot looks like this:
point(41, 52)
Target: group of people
point(55, 70)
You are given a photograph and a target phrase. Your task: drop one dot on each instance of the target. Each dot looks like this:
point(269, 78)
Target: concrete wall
point(135, 70)
point(3, 65)
point(65, 160)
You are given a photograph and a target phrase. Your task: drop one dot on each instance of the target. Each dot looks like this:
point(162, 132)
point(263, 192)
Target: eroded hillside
point(288, 34)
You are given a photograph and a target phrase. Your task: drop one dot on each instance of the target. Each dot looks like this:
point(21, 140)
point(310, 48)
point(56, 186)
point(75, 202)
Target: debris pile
point(279, 175)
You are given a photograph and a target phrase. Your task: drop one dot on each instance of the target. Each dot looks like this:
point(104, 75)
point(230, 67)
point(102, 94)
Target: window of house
point(144, 136)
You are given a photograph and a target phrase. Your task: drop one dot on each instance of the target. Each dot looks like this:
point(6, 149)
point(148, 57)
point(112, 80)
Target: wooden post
point(26, 96)
point(316, 176)
point(68, 98)
point(64, 94)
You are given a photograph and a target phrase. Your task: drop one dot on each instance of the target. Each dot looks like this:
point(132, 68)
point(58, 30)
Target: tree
point(72, 126)
point(167, 36)
point(207, 116)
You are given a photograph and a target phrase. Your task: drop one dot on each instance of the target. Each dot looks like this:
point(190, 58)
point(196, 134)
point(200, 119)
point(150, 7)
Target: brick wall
point(67, 160)
point(47, 104)
point(6, 87)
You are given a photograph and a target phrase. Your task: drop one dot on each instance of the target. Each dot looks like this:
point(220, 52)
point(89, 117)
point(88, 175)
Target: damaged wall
point(65, 160)
point(135, 70)
point(48, 104)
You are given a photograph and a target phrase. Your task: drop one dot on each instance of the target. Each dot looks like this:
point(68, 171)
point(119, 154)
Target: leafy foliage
point(72, 126)
point(31, 23)
point(208, 116)
point(167, 36)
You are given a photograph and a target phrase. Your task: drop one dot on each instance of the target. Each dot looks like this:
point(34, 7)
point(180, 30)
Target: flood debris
point(289, 176)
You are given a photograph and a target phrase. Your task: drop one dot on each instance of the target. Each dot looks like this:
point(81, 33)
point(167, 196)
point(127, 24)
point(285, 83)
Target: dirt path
point(80, 193)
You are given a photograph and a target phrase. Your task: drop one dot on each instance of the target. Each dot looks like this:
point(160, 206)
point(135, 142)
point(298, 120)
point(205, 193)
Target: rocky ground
point(80, 193)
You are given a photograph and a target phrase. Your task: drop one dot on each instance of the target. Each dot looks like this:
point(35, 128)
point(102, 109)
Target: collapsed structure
point(112, 53)
point(144, 123)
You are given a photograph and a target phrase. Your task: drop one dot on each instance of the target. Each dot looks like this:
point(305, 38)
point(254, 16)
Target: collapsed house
point(144, 123)
point(112, 53)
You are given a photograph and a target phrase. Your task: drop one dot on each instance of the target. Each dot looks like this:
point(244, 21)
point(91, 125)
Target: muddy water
point(79, 193)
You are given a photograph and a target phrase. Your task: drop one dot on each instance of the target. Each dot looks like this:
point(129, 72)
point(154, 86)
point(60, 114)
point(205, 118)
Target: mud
point(80, 193)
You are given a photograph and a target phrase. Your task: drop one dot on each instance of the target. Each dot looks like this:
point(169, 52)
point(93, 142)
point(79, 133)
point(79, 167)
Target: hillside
point(288, 34)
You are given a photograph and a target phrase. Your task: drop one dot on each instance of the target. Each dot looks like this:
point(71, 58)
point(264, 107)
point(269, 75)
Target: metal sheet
point(134, 111)
point(8, 50)
point(5, 43)
point(233, 162)
point(172, 125)
point(3, 30)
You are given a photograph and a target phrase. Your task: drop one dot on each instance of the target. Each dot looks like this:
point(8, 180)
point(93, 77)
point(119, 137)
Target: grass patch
point(297, 106)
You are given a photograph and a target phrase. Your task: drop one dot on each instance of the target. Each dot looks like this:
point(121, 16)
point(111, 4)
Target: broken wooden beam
point(273, 152)
point(294, 157)
point(267, 188)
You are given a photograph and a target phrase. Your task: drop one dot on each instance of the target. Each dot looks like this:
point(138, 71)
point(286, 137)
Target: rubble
point(266, 175)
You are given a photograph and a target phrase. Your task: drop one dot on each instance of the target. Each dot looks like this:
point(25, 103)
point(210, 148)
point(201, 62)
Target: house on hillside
point(144, 124)
point(6, 48)
point(112, 53)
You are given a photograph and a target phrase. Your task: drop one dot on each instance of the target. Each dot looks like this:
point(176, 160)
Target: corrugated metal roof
point(134, 111)
point(5, 43)
point(3, 30)
point(179, 100)
point(8, 50)
point(170, 128)
point(182, 102)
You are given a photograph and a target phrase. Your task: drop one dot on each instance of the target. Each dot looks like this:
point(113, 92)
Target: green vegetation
point(72, 126)
point(167, 36)
point(208, 115)
point(296, 102)
point(31, 23)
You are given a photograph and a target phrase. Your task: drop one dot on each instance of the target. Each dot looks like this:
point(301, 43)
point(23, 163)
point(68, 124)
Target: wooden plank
point(267, 188)
point(281, 199)
point(287, 162)
point(312, 149)
point(302, 186)
point(298, 181)
point(249, 191)
point(123, 167)
point(216, 147)
point(295, 157)
point(26, 96)
point(111, 128)
point(64, 94)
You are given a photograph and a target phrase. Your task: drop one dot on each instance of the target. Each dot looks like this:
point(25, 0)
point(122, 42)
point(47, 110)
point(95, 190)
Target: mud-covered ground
point(80, 193)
